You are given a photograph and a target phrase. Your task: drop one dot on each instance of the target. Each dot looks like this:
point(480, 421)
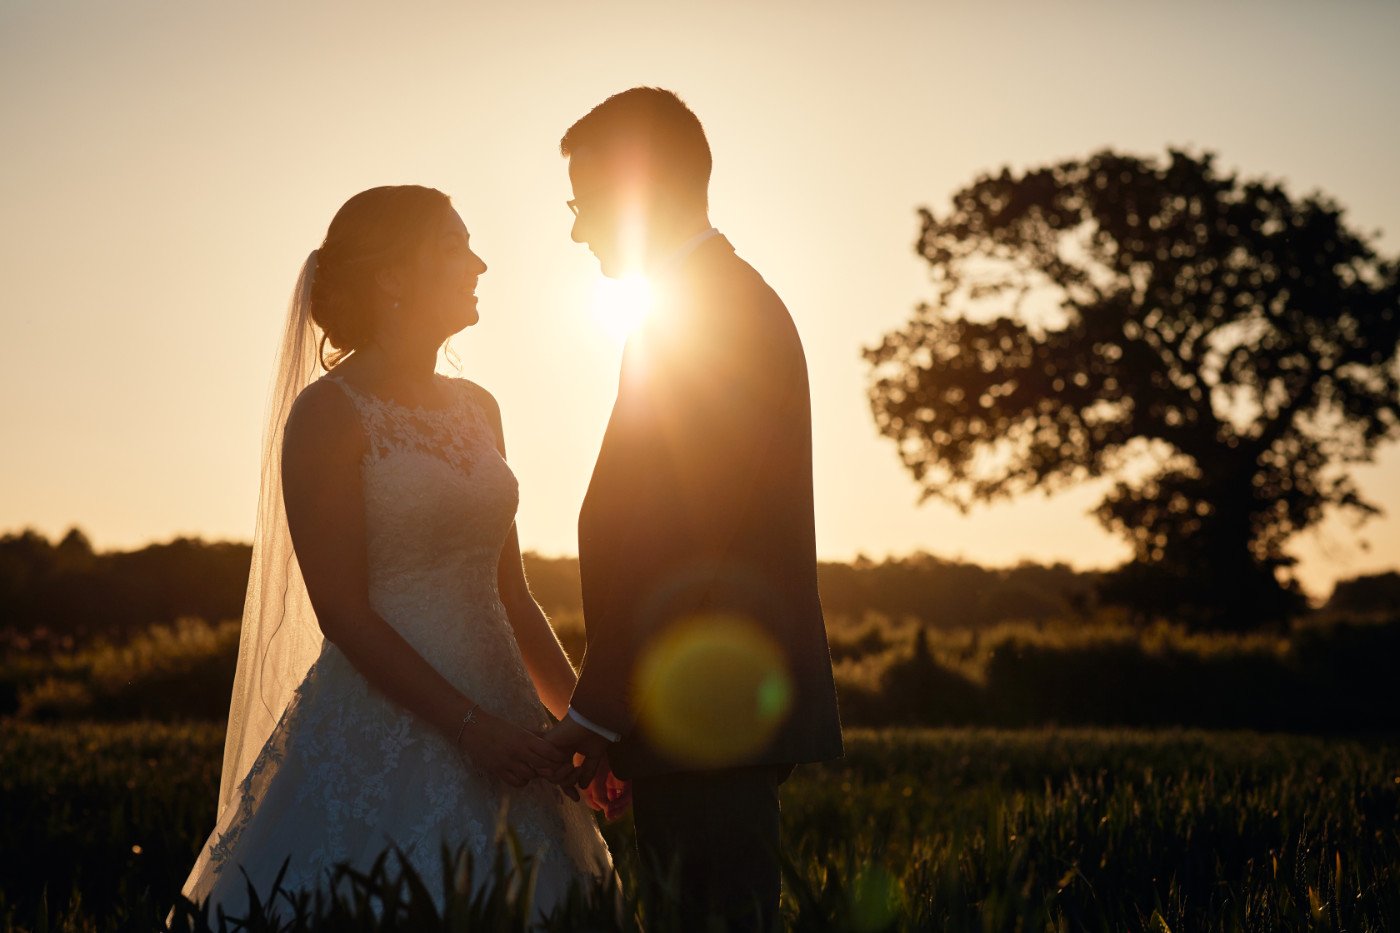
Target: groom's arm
point(633, 541)
point(695, 418)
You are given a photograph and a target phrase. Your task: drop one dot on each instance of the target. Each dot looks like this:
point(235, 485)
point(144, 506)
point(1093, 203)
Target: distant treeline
point(1333, 673)
point(1323, 676)
point(915, 641)
point(939, 593)
point(65, 591)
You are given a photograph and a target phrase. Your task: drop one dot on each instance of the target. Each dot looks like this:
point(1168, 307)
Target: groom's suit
point(700, 507)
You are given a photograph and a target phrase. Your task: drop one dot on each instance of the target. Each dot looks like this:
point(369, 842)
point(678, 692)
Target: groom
point(707, 675)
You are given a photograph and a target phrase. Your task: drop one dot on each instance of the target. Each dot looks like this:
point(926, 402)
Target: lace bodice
point(439, 501)
point(450, 434)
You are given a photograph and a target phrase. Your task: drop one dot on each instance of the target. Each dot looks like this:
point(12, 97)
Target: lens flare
point(712, 691)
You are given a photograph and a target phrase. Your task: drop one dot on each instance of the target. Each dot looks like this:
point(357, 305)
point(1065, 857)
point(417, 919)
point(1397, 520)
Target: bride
point(394, 672)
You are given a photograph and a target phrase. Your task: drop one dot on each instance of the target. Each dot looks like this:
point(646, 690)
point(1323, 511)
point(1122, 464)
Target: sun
point(620, 305)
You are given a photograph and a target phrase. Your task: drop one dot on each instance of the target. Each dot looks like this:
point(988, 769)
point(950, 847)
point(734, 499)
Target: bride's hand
point(506, 751)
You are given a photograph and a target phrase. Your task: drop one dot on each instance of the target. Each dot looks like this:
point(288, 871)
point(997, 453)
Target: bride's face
point(445, 274)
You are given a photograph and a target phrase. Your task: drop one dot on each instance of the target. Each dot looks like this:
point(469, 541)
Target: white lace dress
point(347, 773)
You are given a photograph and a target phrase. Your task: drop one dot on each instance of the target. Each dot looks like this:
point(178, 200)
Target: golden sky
point(167, 166)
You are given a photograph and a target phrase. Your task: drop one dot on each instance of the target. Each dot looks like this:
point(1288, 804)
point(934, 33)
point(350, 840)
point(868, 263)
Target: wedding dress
point(345, 772)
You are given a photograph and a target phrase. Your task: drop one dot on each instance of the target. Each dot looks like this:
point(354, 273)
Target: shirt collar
point(671, 263)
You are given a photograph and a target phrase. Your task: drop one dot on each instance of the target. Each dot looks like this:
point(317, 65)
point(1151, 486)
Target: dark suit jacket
point(700, 507)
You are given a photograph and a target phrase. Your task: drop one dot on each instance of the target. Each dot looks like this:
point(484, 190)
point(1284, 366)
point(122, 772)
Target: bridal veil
point(280, 638)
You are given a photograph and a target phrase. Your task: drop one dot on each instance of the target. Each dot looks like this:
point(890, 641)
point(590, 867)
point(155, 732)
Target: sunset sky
point(167, 167)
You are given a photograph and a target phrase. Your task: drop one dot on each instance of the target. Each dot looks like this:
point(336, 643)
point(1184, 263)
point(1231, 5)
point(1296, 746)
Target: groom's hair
point(656, 125)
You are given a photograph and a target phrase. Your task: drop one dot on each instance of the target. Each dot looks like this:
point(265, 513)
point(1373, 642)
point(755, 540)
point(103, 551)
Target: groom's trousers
point(707, 843)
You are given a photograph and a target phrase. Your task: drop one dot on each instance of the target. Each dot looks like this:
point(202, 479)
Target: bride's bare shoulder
point(323, 415)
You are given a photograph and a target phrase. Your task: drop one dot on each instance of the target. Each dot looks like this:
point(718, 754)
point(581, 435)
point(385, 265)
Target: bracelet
point(466, 720)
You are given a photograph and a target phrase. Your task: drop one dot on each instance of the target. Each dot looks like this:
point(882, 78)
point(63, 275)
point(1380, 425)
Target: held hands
point(506, 751)
point(589, 771)
point(609, 793)
point(582, 748)
point(570, 755)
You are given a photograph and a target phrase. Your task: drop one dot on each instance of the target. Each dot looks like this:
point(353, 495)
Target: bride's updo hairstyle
point(373, 231)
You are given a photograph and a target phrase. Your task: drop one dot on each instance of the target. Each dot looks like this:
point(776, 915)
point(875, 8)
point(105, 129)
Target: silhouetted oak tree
point(1219, 349)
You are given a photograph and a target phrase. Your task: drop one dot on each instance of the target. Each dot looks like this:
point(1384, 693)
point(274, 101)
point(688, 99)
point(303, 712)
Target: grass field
point(914, 829)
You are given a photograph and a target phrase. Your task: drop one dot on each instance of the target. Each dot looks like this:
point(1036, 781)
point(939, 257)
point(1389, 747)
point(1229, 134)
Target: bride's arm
point(545, 659)
point(321, 486)
point(544, 656)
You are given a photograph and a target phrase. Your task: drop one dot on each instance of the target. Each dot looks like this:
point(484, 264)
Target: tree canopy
point(1220, 350)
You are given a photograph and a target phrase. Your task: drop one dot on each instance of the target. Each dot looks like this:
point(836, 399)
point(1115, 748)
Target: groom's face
point(608, 214)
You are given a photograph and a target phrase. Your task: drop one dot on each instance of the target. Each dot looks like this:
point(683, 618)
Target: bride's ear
point(392, 283)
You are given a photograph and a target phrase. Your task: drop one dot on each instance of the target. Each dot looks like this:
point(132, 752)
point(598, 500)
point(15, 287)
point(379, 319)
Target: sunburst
point(621, 305)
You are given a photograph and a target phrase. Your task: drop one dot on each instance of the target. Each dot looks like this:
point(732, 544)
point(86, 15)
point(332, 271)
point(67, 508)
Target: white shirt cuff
point(592, 726)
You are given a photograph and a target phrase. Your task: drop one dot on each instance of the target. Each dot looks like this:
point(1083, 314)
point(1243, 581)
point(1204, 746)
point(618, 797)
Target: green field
point(915, 829)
